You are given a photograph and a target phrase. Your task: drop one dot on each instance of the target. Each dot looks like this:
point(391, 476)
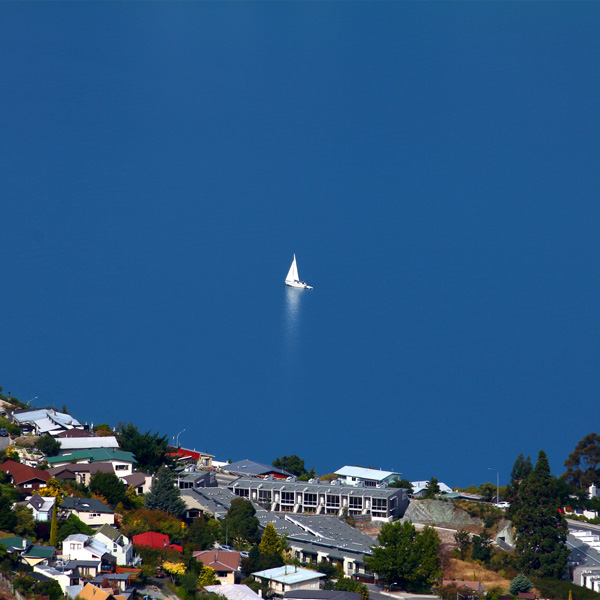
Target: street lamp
point(497, 483)
point(177, 443)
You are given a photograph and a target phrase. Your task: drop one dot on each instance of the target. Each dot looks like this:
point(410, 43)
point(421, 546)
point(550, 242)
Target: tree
point(174, 569)
point(520, 471)
point(292, 464)
point(71, 526)
point(583, 464)
point(203, 533)
point(406, 557)
point(54, 526)
point(150, 449)
point(25, 526)
point(164, 495)
point(402, 483)
point(48, 445)
point(520, 584)
point(482, 547)
point(240, 523)
point(270, 542)
point(8, 519)
point(540, 527)
point(109, 486)
point(463, 541)
point(346, 584)
point(208, 576)
point(488, 491)
point(432, 489)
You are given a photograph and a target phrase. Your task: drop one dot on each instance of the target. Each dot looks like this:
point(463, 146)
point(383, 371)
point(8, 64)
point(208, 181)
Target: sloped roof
point(93, 455)
point(364, 473)
point(92, 592)
point(86, 505)
point(136, 479)
point(110, 532)
point(321, 595)
point(251, 468)
point(219, 560)
point(87, 443)
point(21, 473)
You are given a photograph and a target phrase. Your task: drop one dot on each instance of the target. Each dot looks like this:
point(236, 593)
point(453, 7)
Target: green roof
point(93, 455)
point(40, 551)
point(15, 542)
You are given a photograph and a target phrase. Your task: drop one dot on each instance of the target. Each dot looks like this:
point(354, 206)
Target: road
point(376, 593)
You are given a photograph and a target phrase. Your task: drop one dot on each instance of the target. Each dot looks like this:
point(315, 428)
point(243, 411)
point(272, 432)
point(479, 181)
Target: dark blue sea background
point(434, 166)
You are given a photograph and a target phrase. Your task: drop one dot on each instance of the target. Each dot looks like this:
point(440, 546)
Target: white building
point(366, 477)
point(289, 577)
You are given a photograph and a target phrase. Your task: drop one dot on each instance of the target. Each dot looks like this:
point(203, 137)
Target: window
point(265, 496)
point(333, 501)
point(287, 497)
point(310, 499)
point(242, 493)
point(355, 503)
point(121, 467)
point(379, 505)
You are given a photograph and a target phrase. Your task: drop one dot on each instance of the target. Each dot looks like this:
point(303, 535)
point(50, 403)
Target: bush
point(520, 584)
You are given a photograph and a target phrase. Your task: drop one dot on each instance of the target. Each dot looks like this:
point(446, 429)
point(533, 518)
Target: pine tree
point(164, 495)
point(540, 527)
point(520, 584)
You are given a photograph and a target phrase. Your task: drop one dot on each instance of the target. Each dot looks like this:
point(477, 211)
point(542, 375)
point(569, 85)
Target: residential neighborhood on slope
point(93, 512)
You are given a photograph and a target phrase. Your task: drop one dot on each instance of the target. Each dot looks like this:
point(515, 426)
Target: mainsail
point(293, 272)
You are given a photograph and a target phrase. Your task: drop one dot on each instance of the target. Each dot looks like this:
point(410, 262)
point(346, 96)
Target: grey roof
point(249, 467)
point(110, 532)
point(289, 574)
point(214, 500)
point(86, 505)
point(317, 533)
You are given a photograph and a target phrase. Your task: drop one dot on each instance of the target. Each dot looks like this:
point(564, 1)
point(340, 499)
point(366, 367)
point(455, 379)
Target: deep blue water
point(434, 166)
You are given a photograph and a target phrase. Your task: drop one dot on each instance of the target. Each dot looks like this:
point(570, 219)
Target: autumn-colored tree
point(174, 569)
point(144, 519)
point(270, 543)
point(208, 576)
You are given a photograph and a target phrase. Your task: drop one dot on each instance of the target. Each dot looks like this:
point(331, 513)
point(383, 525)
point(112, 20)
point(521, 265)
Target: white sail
point(293, 272)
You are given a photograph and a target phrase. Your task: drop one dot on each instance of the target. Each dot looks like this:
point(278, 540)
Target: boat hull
point(299, 285)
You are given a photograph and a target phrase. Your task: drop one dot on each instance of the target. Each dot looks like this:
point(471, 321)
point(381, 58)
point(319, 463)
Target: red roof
point(185, 453)
point(22, 474)
point(155, 540)
point(219, 560)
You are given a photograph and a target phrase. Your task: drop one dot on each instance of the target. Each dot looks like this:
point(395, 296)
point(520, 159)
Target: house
point(329, 498)
point(225, 564)
point(91, 511)
point(155, 540)
point(366, 477)
point(316, 538)
point(140, 482)
point(233, 591)
point(94, 592)
point(82, 547)
point(44, 420)
point(289, 578)
point(199, 459)
point(24, 477)
point(122, 461)
point(41, 507)
point(419, 488)
point(66, 577)
point(249, 468)
point(28, 553)
point(82, 472)
point(195, 479)
point(119, 545)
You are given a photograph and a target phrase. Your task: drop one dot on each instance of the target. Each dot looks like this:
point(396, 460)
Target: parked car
point(503, 505)
point(225, 548)
point(3, 432)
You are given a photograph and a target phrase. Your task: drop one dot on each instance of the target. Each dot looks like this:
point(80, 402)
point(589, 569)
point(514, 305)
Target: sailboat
point(293, 280)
